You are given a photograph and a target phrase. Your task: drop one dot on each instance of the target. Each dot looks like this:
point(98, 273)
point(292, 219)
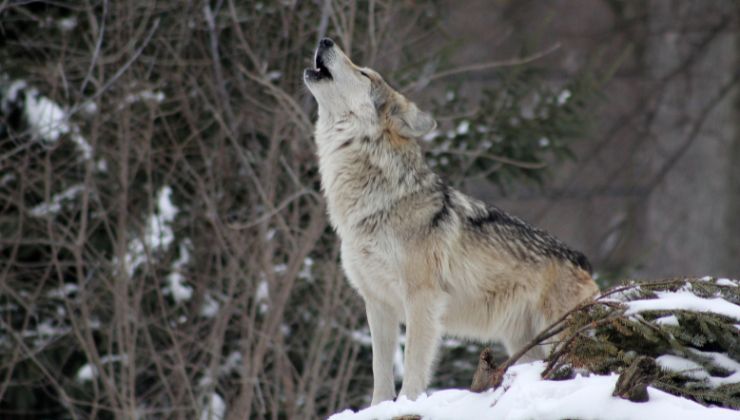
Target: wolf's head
point(342, 89)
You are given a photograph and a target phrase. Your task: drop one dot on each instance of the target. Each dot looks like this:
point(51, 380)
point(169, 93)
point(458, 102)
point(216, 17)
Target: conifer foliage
point(689, 327)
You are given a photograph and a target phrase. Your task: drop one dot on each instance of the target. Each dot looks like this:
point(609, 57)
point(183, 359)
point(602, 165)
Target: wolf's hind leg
point(423, 332)
point(384, 323)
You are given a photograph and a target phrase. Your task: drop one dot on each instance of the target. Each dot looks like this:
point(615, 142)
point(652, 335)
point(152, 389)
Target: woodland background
point(164, 249)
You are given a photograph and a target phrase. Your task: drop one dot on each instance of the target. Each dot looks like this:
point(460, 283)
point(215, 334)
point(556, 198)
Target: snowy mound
point(686, 328)
point(524, 395)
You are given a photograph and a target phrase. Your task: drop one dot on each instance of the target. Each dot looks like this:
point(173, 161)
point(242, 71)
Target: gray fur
point(418, 251)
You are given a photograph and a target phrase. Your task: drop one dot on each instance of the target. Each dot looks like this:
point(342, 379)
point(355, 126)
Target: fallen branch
point(496, 375)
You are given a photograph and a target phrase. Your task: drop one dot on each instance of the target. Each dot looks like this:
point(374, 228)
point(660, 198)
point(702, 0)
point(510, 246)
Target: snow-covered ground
point(524, 395)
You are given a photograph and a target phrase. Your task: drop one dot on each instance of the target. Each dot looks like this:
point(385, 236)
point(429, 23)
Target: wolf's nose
point(326, 43)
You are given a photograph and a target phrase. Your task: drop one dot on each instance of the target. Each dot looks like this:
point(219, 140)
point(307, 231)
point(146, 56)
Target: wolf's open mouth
point(321, 72)
point(321, 68)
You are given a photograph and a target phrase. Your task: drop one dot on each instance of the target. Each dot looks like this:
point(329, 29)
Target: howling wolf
point(417, 250)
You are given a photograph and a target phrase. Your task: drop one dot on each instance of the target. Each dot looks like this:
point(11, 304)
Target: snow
point(524, 395)
point(89, 107)
point(177, 288)
point(687, 287)
point(63, 291)
point(47, 120)
point(270, 234)
point(362, 337)
point(683, 366)
point(215, 408)
point(262, 291)
point(175, 280)
point(67, 24)
point(726, 282)
point(262, 296)
point(210, 307)
point(667, 320)
point(622, 295)
point(684, 300)
point(716, 381)
point(563, 97)
point(694, 370)
point(158, 234)
point(82, 145)
point(86, 373)
point(46, 329)
point(721, 360)
point(145, 95)
point(463, 127)
point(54, 205)
point(430, 135)
point(45, 117)
point(11, 95)
point(305, 273)
point(89, 372)
point(233, 363)
point(167, 211)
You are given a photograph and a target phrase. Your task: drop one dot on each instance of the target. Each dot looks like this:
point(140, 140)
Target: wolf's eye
point(364, 74)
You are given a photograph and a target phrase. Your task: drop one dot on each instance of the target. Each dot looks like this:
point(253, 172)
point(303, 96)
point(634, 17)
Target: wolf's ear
point(410, 121)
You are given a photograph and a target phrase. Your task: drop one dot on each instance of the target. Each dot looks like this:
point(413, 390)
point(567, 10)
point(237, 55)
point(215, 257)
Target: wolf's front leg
point(383, 321)
point(423, 332)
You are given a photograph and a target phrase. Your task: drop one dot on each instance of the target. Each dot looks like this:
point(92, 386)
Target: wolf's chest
point(374, 265)
point(357, 189)
point(375, 245)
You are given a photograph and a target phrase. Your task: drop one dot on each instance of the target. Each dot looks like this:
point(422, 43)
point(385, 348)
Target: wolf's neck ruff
point(366, 173)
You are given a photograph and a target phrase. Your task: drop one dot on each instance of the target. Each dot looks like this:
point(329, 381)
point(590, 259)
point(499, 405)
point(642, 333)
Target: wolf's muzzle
point(323, 53)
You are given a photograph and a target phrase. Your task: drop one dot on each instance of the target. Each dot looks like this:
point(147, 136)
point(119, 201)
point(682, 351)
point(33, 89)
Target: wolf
point(418, 251)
